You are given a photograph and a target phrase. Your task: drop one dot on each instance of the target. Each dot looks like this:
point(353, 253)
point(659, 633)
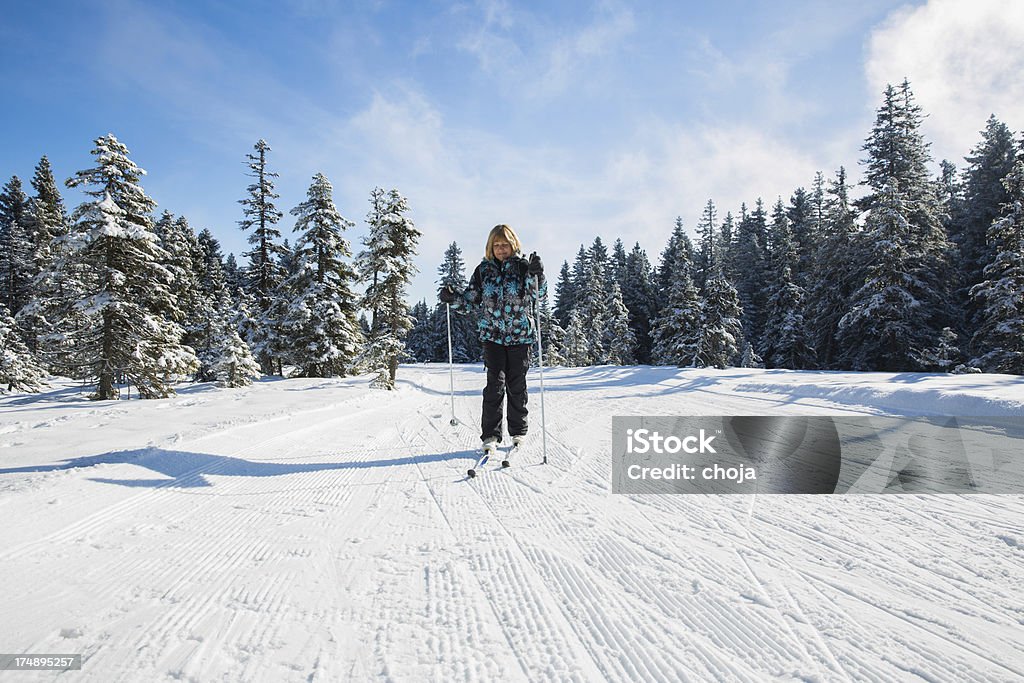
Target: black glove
point(536, 267)
point(447, 294)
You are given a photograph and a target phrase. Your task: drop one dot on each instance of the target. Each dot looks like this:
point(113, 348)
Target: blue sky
point(566, 120)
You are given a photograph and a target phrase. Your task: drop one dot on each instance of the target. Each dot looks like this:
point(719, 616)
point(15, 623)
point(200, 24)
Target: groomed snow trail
point(306, 530)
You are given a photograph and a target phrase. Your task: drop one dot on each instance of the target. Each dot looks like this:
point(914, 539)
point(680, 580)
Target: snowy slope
point(317, 530)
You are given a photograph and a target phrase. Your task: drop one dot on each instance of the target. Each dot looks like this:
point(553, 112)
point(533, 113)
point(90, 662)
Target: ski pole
point(451, 369)
point(540, 365)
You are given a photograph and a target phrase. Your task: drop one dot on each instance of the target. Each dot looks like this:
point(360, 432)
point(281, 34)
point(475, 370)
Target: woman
point(504, 288)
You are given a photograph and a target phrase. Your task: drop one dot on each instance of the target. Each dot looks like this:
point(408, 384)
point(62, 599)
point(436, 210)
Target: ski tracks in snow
point(345, 542)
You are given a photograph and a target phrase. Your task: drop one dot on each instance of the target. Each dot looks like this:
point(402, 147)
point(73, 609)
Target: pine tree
point(785, 343)
point(593, 308)
point(999, 341)
point(641, 298)
point(580, 274)
point(897, 314)
point(618, 263)
point(830, 289)
point(801, 218)
point(48, 231)
point(232, 365)
point(387, 267)
point(705, 256)
point(946, 356)
point(577, 341)
point(984, 196)
point(725, 246)
point(18, 369)
point(618, 336)
point(320, 323)
point(887, 326)
point(676, 331)
point(127, 327)
point(265, 272)
point(667, 266)
point(420, 342)
point(216, 305)
point(554, 336)
point(465, 342)
point(16, 246)
point(750, 257)
point(721, 333)
point(565, 295)
point(181, 249)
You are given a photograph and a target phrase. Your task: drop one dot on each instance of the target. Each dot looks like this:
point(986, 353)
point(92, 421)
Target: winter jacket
point(504, 296)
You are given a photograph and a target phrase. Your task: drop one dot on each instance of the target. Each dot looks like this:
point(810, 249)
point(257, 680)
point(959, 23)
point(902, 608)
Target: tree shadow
point(185, 469)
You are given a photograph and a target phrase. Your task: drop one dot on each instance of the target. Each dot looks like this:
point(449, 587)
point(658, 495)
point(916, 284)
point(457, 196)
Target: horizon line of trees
point(919, 274)
point(113, 295)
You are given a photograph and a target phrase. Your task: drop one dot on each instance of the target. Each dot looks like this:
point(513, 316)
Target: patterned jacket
point(504, 295)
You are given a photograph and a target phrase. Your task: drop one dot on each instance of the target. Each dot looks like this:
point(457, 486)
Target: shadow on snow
point(184, 469)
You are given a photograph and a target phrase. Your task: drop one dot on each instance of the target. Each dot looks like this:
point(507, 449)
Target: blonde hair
point(505, 232)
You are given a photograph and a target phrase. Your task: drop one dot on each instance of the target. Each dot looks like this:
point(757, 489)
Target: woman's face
point(502, 249)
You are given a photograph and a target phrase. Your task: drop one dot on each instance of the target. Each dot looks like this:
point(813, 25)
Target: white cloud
point(531, 59)
point(964, 61)
point(460, 182)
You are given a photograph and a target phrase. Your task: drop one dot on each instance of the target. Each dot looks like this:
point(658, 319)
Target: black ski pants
point(506, 372)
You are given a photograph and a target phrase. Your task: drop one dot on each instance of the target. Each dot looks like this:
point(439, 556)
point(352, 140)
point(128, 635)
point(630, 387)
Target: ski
point(507, 462)
point(487, 453)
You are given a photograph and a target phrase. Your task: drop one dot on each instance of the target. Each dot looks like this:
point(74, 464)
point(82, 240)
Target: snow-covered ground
point(305, 530)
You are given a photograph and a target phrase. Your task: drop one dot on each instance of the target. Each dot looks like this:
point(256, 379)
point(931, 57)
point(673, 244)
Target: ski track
point(383, 561)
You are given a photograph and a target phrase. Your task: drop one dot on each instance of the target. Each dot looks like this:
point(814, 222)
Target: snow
point(314, 529)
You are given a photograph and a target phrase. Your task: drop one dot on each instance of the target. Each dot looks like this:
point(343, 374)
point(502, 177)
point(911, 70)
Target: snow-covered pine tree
point(984, 197)
point(320, 323)
point(946, 355)
point(18, 368)
point(49, 226)
point(232, 364)
point(721, 333)
point(593, 308)
point(420, 342)
point(896, 315)
point(640, 295)
point(618, 262)
point(181, 249)
point(886, 327)
point(676, 331)
point(833, 276)
point(749, 357)
point(999, 342)
point(16, 247)
point(785, 343)
point(565, 295)
point(618, 335)
point(705, 256)
point(580, 273)
point(667, 266)
point(465, 342)
point(577, 341)
point(216, 304)
point(554, 336)
point(234, 276)
point(750, 259)
point(386, 265)
point(803, 235)
point(48, 218)
point(265, 272)
point(126, 329)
